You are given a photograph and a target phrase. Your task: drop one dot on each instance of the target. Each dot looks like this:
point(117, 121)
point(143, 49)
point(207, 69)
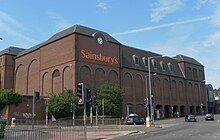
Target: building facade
point(210, 98)
point(81, 54)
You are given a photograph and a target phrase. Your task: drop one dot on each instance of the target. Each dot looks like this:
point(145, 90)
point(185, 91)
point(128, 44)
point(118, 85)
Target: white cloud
point(211, 76)
point(11, 26)
point(191, 49)
point(164, 7)
point(204, 3)
point(5, 17)
point(163, 26)
point(60, 22)
point(173, 47)
point(213, 40)
point(103, 5)
point(216, 17)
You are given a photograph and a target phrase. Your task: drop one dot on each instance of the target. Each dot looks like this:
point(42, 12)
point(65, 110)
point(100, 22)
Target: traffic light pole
point(74, 108)
point(33, 110)
point(96, 116)
point(84, 94)
point(103, 110)
point(91, 116)
point(46, 104)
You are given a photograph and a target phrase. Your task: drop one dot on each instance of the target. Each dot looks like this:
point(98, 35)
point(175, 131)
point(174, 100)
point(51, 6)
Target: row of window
point(194, 74)
point(153, 61)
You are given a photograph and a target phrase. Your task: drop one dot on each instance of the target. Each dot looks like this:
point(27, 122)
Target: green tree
point(113, 97)
point(217, 92)
point(60, 104)
point(8, 97)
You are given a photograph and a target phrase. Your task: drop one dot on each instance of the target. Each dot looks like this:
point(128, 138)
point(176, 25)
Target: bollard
point(13, 122)
point(147, 122)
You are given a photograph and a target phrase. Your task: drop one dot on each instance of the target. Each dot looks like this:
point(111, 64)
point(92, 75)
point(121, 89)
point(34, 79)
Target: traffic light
point(145, 103)
point(94, 101)
point(80, 92)
point(152, 100)
point(89, 96)
point(36, 95)
point(72, 107)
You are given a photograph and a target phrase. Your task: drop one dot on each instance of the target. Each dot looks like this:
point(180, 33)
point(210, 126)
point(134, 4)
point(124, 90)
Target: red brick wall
point(35, 70)
point(94, 72)
point(7, 71)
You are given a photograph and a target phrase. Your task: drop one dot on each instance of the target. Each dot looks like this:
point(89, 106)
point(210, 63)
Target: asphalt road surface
point(178, 129)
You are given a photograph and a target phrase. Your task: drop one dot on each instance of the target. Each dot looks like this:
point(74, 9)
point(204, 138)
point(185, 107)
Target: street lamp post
point(146, 100)
point(149, 81)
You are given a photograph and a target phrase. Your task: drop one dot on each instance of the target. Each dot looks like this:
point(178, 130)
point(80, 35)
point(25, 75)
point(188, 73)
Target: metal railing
point(69, 122)
point(55, 133)
point(62, 129)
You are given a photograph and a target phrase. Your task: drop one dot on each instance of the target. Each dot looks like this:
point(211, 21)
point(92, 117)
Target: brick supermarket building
point(81, 54)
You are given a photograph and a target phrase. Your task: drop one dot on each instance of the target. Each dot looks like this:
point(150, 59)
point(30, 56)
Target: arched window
point(154, 63)
point(188, 73)
point(136, 60)
point(201, 75)
point(56, 82)
point(195, 75)
point(170, 66)
point(56, 73)
point(162, 64)
point(145, 61)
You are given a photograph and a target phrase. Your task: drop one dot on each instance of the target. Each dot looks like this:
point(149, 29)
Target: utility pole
point(146, 101)
point(149, 81)
point(150, 92)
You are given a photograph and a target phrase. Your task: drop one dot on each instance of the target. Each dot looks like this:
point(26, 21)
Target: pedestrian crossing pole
point(84, 93)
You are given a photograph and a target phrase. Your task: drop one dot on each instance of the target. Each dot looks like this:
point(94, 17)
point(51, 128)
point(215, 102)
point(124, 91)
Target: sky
point(167, 27)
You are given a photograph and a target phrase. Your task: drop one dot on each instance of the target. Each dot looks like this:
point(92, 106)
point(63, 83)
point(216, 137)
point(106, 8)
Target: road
point(178, 129)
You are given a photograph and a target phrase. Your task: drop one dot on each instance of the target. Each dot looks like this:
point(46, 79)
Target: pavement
point(112, 132)
point(107, 135)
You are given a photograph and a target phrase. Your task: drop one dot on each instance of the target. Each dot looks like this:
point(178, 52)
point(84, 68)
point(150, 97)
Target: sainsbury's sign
point(99, 57)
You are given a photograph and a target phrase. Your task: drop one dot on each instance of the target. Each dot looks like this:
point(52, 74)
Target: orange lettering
point(83, 53)
point(99, 57)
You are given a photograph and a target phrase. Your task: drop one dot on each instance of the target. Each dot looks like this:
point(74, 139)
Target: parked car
point(134, 119)
point(190, 118)
point(209, 117)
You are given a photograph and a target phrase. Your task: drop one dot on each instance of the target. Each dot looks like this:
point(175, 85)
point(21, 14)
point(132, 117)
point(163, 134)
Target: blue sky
point(168, 27)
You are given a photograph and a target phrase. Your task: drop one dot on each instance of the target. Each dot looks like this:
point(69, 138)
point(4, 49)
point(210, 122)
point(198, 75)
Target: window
point(129, 110)
point(136, 59)
point(170, 66)
point(195, 75)
point(188, 73)
point(145, 60)
point(201, 75)
point(162, 65)
point(56, 73)
point(154, 63)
